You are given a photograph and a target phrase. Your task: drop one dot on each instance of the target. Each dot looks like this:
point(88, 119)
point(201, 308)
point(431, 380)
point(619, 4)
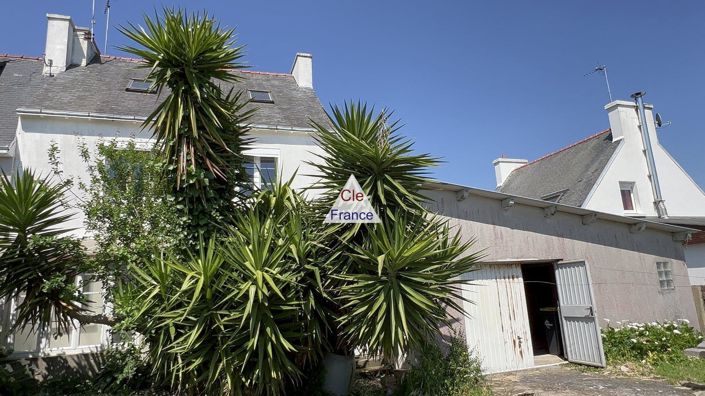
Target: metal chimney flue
point(659, 203)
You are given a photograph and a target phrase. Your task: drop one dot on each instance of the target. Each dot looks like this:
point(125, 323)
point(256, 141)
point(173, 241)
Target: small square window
point(665, 275)
point(144, 86)
point(260, 96)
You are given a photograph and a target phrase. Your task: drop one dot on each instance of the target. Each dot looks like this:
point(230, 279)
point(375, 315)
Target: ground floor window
point(28, 341)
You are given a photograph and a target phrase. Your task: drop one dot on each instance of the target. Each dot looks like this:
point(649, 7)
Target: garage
point(554, 275)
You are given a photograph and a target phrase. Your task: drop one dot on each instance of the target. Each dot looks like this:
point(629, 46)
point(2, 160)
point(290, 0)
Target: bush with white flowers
point(648, 342)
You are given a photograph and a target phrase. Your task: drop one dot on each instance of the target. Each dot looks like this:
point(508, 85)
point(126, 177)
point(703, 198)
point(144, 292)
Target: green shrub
point(123, 371)
point(456, 373)
point(649, 342)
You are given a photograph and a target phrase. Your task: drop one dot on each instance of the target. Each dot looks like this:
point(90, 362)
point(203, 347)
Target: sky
point(470, 80)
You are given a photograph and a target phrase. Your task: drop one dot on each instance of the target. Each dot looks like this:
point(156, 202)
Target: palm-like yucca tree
point(38, 263)
point(200, 126)
point(395, 280)
point(365, 143)
point(188, 57)
point(406, 274)
point(246, 312)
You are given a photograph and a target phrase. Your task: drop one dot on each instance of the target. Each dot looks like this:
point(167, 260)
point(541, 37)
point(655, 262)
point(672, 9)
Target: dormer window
point(554, 197)
point(260, 96)
point(144, 86)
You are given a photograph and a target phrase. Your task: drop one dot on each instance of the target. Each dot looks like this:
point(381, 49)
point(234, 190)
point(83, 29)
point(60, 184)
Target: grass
point(687, 370)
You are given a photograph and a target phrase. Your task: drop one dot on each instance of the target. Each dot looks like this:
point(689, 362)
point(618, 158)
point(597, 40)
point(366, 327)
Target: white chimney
point(67, 45)
point(302, 70)
point(624, 120)
point(504, 166)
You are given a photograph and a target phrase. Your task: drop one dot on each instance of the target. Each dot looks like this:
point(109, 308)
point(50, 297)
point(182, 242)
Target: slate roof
point(100, 88)
point(18, 75)
point(572, 171)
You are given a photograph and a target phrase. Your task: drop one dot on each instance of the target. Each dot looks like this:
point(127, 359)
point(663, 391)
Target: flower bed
point(648, 342)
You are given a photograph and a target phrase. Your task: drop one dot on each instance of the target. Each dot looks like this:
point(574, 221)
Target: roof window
point(137, 85)
point(260, 96)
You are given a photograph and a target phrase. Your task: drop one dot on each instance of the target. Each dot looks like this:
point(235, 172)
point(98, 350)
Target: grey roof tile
point(100, 88)
point(573, 170)
point(18, 79)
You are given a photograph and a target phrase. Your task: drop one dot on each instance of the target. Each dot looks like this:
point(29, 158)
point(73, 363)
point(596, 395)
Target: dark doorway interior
point(542, 307)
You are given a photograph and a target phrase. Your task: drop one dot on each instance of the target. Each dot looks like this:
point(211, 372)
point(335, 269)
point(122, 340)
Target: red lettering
point(342, 195)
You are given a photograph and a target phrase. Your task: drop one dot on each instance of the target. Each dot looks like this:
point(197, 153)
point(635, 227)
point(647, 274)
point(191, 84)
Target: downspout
point(659, 203)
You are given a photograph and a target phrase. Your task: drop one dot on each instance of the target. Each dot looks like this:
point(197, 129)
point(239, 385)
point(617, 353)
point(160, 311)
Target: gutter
point(118, 117)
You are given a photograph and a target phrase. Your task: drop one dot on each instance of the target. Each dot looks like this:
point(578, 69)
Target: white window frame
point(75, 332)
point(257, 154)
point(44, 337)
point(631, 186)
point(664, 271)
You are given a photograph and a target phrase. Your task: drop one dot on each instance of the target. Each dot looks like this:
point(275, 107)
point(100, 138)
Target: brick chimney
point(67, 45)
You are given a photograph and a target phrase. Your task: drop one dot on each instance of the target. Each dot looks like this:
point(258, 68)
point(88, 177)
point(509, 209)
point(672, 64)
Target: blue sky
point(469, 80)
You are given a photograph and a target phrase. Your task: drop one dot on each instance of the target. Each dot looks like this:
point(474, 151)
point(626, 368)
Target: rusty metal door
point(582, 341)
point(497, 328)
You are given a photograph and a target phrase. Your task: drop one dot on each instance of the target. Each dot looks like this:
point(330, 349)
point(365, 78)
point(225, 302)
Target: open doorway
point(542, 309)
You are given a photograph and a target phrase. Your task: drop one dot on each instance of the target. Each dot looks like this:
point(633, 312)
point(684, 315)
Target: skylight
point(136, 85)
point(260, 96)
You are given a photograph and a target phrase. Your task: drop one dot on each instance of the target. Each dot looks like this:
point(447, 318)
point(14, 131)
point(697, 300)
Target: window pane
point(25, 341)
point(260, 96)
point(268, 171)
point(627, 201)
point(90, 335)
point(250, 167)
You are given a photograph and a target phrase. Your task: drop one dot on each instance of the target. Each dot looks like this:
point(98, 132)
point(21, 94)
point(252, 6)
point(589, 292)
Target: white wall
point(36, 134)
point(695, 257)
point(681, 194)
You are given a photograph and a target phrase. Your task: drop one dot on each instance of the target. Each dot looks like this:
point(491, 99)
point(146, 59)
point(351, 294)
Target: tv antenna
point(602, 69)
point(93, 20)
point(107, 25)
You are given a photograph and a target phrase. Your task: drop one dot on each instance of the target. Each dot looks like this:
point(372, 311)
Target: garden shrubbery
point(649, 342)
point(456, 373)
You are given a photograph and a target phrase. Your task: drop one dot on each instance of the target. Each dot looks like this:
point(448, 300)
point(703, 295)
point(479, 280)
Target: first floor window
point(627, 192)
point(261, 171)
point(665, 275)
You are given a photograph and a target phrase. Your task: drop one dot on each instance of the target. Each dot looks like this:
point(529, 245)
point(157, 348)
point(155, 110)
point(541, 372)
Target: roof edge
point(438, 185)
point(567, 147)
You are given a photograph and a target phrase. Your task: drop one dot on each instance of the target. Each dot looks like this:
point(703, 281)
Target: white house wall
point(36, 134)
point(682, 195)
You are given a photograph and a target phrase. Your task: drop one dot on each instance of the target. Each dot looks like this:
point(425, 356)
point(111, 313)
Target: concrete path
point(563, 380)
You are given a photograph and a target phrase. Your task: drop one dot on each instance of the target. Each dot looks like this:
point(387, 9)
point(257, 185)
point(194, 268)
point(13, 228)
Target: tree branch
point(93, 319)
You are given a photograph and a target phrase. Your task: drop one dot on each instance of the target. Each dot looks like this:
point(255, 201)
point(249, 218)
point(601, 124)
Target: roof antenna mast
point(93, 20)
point(107, 25)
point(602, 69)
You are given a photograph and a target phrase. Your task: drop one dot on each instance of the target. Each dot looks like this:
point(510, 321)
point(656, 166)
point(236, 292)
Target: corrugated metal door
point(581, 333)
point(497, 328)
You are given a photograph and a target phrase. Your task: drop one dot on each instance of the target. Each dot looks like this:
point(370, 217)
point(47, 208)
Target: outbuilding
point(554, 275)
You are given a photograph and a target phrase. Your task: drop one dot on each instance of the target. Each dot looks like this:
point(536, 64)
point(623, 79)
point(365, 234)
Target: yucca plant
point(200, 126)
point(246, 312)
point(365, 143)
point(404, 278)
point(38, 262)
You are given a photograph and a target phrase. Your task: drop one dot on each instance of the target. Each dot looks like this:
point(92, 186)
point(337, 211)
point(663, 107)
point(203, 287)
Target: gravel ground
point(564, 380)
